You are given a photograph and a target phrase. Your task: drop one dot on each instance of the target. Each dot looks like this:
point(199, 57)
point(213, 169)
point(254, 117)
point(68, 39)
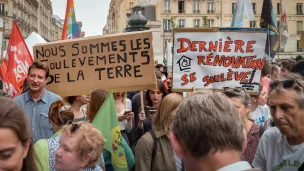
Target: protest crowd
point(224, 102)
point(226, 129)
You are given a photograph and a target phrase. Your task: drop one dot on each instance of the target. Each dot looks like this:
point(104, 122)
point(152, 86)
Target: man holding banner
point(37, 100)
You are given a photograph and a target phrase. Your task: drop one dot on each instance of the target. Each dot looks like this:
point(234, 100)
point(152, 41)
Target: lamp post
point(137, 21)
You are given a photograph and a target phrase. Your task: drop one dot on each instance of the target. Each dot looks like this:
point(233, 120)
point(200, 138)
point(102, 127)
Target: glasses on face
point(236, 89)
point(287, 84)
point(74, 127)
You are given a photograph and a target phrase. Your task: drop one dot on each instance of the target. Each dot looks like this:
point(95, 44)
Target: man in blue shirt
point(37, 100)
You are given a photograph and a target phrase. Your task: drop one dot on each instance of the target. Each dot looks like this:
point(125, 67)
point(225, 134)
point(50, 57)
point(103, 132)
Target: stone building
point(31, 15)
point(209, 13)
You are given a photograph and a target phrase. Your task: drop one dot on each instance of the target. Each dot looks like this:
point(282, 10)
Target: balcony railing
point(167, 31)
point(3, 12)
point(299, 32)
point(300, 50)
point(210, 11)
point(167, 11)
point(196, 11)
point(299, 12)
point(181, 11)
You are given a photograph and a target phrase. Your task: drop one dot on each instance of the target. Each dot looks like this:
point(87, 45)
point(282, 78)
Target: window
point(253, 8)
point(131, 5)
point(196, 23)
point(299, 8)
point(299, 49)
point(2, 9)
point(181, 23)
point(299, 27)
point(252, 24)
point(181, 7)
point(278, 24)
point(196, 7)
point(5, 44)
point(167, 6)
point(167, 25)
point(210, 6)
point(278, 8)
point(233, 7)
point(211, 23)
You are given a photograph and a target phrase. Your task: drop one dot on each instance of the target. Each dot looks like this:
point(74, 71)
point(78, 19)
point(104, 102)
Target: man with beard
point(37, 100)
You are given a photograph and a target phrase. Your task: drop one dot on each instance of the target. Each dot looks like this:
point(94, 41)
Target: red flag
point(11, 90)
point(19, 58)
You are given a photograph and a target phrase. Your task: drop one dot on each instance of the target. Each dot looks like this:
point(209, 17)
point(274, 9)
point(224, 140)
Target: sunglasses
point(236, 89)
point(287, 84)
point(74, 127)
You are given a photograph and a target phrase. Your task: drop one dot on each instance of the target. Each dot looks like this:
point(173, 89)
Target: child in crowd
point(260, 112)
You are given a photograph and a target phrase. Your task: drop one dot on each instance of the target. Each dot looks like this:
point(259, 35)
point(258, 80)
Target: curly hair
point(92, 141)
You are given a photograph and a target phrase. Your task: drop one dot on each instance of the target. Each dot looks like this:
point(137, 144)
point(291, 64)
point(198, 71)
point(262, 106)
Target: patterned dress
point(53, 145)
point(253, 138)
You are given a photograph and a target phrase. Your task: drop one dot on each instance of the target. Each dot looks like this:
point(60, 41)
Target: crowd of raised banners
point(101, 103)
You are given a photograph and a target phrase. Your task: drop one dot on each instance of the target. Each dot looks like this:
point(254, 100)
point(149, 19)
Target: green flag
point(106, 122)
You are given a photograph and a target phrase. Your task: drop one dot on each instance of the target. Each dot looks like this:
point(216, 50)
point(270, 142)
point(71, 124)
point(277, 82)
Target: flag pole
point(279, 30)
point(268, 43)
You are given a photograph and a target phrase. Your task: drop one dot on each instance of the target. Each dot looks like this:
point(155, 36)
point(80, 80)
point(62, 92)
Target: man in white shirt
point(282, 148)
point(207, 133)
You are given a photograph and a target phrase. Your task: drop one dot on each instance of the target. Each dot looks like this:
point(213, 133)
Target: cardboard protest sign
point(122, 62)
point(215, 59)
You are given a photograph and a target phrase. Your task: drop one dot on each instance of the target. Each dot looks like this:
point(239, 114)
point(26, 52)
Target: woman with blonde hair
point(60, 114)
point(153, 150)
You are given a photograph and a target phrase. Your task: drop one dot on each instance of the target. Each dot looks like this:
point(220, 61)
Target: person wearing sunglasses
point(80, 148)
point(60, 114)
point(242, 101)
point(282, 147)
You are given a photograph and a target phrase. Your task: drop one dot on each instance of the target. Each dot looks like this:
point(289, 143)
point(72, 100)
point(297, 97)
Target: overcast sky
point(92, 13)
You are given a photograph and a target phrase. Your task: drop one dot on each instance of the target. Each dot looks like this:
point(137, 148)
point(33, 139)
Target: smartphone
point(152, 111)
point(127, 112)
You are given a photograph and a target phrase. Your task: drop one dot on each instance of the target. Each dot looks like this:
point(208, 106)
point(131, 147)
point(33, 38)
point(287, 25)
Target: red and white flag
point(17, 60)
point(283, 26)
point(10, 89)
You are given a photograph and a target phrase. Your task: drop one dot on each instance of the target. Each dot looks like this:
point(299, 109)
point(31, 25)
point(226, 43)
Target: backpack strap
point(301, 168)
point(261, 130)
point(154, 147)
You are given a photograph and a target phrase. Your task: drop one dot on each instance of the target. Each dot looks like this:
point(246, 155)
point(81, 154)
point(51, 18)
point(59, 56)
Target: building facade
point(57, 24)
point(45, 15)
point(118, 16)
point(218, 13)
point(30, 15)
point(209, 13)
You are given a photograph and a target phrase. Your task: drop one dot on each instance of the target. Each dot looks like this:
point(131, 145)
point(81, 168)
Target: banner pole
point(142, 101)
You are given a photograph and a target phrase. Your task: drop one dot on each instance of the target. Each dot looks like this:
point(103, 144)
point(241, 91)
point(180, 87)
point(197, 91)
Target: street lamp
point(137, 21)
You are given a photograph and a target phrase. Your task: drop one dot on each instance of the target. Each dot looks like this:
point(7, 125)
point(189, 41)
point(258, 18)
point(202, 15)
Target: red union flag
point(11, 90)
point(18, 58)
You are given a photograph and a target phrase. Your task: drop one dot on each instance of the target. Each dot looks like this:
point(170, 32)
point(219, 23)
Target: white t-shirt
point(126, 125)
point(261, 114)
point(275, 154)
